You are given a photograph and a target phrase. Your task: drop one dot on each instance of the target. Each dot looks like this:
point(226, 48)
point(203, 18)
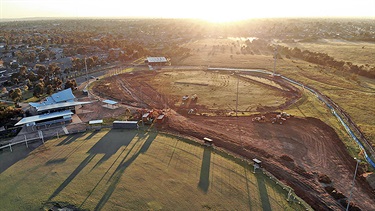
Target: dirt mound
point(296, 153)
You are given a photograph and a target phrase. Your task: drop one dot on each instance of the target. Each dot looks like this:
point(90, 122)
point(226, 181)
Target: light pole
point(87, 76)
point(274, 63)
point(238, 81)
point(351, 189)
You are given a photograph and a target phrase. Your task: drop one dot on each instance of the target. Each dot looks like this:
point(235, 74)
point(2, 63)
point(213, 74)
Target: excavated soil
point(296, 152)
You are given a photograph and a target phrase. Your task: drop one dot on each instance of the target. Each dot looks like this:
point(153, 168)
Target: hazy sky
point(213, 10)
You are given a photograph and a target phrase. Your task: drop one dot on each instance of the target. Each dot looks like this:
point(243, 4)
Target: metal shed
point(125, 125)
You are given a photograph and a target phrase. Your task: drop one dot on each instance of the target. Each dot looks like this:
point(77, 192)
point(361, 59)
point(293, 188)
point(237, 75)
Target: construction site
point(245, 114)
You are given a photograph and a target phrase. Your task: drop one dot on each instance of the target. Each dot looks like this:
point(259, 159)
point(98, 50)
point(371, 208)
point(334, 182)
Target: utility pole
point(238, 81)
point(87, 76)
point(274, 63)
point(351, 189)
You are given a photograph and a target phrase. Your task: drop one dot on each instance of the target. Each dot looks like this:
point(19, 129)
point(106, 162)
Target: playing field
point(135, 170)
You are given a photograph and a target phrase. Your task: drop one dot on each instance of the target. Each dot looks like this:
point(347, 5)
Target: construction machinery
point(259, 119)
point(194, 98)
point(278, 119)
point(185, 97)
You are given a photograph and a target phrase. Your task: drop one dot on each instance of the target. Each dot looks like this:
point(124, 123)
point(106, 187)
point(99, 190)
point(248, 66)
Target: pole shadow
point(92, 135)
point(72, 176)
point(116, 176)
point(204, 179)
point(263, 191)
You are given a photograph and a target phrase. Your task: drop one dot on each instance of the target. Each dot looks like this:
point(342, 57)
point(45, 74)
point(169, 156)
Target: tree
point(43, 57)
point(71, 84)
point(4, 90)
point(38, 90)
point(56, 83)
point(41, 70)
point(23, 71)
point(90, 62)
point(49, 89)
point(16, 95)
point(28, 84)
point(7, 113)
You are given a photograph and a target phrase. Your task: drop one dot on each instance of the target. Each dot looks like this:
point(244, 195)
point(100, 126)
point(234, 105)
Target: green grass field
point(135, 170)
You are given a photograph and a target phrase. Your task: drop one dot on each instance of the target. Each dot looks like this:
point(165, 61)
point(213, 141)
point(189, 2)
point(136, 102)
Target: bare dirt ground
point(297, 152)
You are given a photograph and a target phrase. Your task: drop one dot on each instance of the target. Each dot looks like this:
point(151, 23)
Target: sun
point(221, 12)
point(221, 19)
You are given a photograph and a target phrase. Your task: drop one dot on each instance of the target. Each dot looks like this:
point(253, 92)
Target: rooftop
point(156, 59)
point(59, 105)
point(111, 102)
point(62, 96)
point(42, 117)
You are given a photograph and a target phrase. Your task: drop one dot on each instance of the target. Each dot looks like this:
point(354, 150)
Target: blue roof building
point(62, 96)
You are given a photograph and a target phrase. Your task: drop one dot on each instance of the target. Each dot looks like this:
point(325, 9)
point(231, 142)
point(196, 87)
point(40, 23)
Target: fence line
point(333, 107)
point(40, 136)
point(361, 141)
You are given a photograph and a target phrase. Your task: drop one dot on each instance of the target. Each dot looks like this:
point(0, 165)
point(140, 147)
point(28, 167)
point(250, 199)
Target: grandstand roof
point(59, 105)
point(42, 117)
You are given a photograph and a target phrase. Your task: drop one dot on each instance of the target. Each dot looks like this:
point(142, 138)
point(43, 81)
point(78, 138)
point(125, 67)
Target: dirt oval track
point(296, 152)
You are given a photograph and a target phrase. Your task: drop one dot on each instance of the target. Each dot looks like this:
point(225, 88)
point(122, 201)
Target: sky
point(211, 10)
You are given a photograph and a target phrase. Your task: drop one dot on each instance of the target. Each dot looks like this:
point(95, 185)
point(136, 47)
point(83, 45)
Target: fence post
point(27, 146)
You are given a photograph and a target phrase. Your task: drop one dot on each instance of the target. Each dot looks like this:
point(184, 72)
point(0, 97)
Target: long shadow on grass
point(125, 163)
point(70, 139)
point(8, 158)
point(107, 145)
point(111, 143)
point(263, 192)
point(92, 134)
point(204, 179)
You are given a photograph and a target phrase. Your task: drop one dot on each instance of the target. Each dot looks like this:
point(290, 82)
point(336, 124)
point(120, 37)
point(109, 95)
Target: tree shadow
point(125, 163)
point(204, 178)
point(107, 145)
point(263, 191)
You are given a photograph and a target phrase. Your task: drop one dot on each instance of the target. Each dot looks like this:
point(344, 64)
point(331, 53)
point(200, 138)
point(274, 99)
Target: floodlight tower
point(351, 189)
point(274, 63)
point(238, 81)
point(87, 76)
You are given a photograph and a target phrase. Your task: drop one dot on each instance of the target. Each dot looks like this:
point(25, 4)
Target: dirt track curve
point(296, 152)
